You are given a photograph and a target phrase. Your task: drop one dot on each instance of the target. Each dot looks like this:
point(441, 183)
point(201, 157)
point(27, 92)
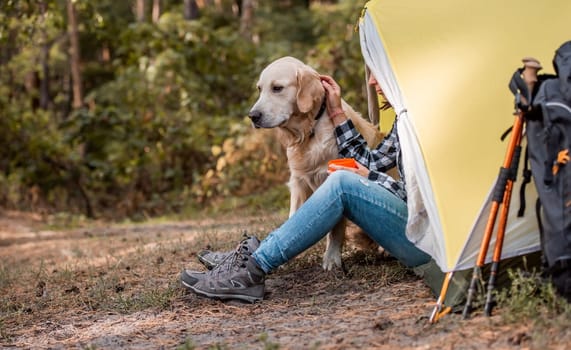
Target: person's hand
point(360, 170)
point(333, 99)
point(332, 93)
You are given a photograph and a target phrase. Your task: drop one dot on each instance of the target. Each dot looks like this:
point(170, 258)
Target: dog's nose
point(255, 116)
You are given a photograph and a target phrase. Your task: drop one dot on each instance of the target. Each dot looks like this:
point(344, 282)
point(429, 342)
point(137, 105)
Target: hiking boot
point(238, 277)
point(188, 277)
point(212, 259)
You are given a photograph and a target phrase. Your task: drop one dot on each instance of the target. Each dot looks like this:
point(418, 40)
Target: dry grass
point(116, 286)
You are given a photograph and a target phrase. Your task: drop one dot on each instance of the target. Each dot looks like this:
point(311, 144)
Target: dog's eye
point(277, 88)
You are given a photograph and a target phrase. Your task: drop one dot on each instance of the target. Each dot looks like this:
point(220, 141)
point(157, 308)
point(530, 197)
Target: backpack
point(549, 145)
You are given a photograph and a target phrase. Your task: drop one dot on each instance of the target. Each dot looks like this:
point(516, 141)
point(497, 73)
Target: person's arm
point(375, 161)
point(378, 160)
point(372, 163)
point(350, 142)
point(333, 100)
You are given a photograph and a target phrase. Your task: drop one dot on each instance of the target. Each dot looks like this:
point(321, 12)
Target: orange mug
point(346, 162)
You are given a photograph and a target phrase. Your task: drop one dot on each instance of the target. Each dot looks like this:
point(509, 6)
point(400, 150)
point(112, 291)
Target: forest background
point(127, 110)
point(136, 109)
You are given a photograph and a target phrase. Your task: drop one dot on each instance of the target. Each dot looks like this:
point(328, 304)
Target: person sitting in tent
point(358, 194)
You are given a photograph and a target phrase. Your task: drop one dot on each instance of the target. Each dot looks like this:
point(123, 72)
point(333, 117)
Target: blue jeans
point(372, 207)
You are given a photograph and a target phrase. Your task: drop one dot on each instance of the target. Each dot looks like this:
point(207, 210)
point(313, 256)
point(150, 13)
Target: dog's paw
point(331, 260)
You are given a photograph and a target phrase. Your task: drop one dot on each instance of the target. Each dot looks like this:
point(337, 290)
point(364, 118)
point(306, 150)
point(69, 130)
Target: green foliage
point(187, 345)
point(268, 345)
point(530, 297)
point(163, 126)
point(338, 52)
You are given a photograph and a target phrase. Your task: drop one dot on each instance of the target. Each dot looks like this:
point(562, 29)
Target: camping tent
point(445, 67)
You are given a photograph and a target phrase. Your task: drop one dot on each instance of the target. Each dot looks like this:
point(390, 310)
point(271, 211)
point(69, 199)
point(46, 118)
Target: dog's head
point(288, 88)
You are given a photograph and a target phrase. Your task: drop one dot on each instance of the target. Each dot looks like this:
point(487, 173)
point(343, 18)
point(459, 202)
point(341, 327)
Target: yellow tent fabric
point(386, 119)
point(452, 61)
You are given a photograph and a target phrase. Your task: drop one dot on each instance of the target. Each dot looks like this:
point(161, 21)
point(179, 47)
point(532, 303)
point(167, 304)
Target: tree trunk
point(156, 10)
point(74, 54)
point(31, 83)
point(219, 5)
point(44, 57)
point(191, 10)
point(105, 54)
point(247, 18)
point(67, 89)
point(45, 81)
point(140, 10)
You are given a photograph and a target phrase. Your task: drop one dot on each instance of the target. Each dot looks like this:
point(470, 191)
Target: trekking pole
point(497, 199)
point(502, 226)
point(529, 77)
point(521, 84)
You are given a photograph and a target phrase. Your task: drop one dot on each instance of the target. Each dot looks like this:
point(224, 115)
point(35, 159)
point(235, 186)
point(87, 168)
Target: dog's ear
point(309, 89)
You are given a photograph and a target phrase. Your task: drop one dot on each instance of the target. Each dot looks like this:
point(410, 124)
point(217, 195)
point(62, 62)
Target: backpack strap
point(541, 235)
point(552, 133)
point(526, 180)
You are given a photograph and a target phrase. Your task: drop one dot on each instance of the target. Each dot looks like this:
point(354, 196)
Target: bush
point(163, 128)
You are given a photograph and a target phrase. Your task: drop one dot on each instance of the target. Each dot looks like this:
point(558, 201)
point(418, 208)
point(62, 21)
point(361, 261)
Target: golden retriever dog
point(292, 100)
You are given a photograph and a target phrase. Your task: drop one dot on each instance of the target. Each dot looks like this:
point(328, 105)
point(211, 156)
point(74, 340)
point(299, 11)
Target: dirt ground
point(115, 286)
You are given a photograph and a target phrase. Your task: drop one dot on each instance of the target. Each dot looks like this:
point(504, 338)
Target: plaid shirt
point(384, 157)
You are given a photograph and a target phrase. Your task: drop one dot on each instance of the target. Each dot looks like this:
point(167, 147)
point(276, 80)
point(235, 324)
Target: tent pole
point(438, 312)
